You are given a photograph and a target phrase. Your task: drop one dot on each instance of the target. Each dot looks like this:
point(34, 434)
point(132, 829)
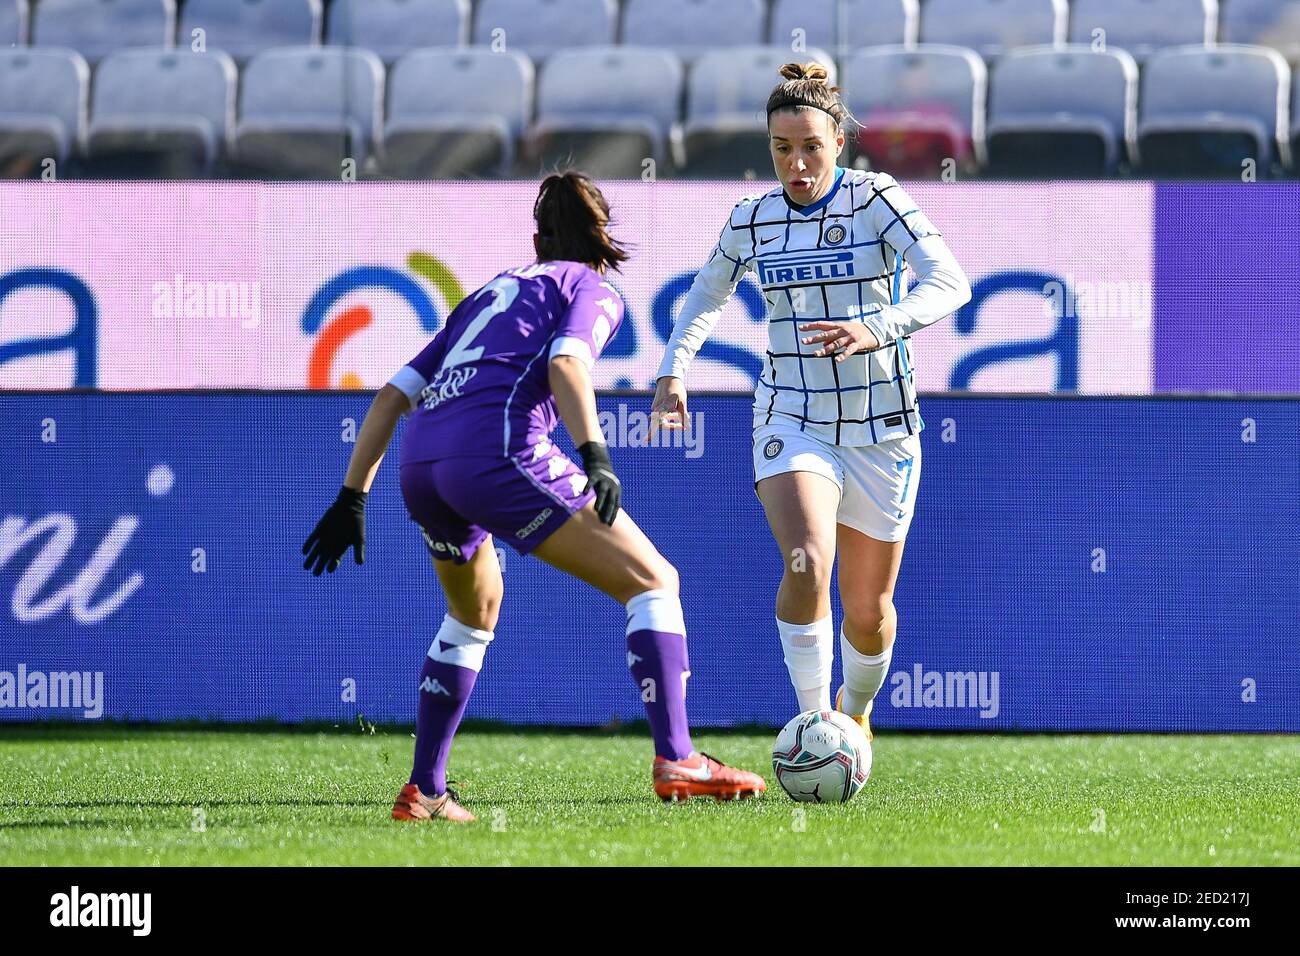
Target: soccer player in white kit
point(837, 448)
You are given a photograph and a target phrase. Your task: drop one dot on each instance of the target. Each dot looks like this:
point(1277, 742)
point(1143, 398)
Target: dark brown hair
point(573, 221)
point(807, 85)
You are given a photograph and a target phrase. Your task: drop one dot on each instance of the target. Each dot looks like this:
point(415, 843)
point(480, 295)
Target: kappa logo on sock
point(430, 685)
point(632, 659)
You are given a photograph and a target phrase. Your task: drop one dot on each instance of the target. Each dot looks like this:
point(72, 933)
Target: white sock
point(864, 674)
point(809, 651)
point(460, 644)
point(656, 611)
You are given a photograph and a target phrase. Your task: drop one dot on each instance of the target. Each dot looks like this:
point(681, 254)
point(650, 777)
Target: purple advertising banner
point(1227, 272)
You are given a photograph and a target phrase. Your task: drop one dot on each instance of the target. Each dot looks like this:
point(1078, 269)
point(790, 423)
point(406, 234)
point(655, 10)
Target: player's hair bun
point(808, 85)
point(805, 71)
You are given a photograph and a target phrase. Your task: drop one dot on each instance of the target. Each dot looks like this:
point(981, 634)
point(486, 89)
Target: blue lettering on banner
point(1063, 342)
point(663, 313)
point(779, 269)
point(81, 339)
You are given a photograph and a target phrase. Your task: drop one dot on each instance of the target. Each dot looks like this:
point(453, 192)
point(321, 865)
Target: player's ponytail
point(573, 222)
point(807, 85)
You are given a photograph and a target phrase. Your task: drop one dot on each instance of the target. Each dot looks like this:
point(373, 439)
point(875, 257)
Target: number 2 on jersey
point(503, 289)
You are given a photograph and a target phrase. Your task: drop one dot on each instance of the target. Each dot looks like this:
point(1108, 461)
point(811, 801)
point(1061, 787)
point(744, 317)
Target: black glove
point(343, 526)
point(601, 479)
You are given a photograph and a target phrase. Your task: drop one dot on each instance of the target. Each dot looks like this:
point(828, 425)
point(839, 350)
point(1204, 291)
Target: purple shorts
point(458, 502)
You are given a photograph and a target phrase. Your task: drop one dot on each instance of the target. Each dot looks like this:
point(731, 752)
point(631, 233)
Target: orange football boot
point(413, 805)
point(700, 775)
point(863, 721)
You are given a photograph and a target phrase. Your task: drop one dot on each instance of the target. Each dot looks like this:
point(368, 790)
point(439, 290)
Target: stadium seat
point(484, 103)
point(391, 28)
point(1061, 112)
point(1143, 26)
point(13, 22)
point(42, 108)
point(1205, 111)
point(243, 28)
point(94, 28)
point(920, 107)
point(726, 121)
point(992, 27)
point(1295, 121)
point(843, 25)
point(605, 110)
point(539, 28)
point(1273, 23)
point(692, 27)
point(161, 113)
point(304, 110)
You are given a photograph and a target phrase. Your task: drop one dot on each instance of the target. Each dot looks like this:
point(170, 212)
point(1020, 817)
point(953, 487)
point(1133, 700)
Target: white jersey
point(838, 259)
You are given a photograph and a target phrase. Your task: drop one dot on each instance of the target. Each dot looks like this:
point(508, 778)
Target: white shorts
point(877, 482)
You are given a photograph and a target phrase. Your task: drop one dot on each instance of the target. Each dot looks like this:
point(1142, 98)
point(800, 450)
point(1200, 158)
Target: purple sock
point(444, 692)
point(658, 663)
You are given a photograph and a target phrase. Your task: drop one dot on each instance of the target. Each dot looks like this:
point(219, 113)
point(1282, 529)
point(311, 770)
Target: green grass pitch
point(109, 795)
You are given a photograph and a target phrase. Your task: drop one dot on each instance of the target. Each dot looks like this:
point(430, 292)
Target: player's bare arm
point(575, 399)
point(343, 525)
point(376, 432)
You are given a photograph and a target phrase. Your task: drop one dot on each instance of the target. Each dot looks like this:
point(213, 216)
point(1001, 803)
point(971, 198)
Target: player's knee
point(663, 577)
point(489, 610)
point(637, 573)
point(868, 621)
point(479, 610)
point(482, 616)
point(808, 567)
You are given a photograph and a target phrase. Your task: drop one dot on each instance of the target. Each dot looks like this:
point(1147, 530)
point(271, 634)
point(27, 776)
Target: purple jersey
point(481, 387)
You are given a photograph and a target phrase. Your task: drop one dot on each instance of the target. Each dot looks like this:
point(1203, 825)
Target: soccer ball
point(821, 756)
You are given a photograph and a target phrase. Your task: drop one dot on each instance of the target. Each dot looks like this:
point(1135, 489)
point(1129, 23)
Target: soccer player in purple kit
point(478, 460)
